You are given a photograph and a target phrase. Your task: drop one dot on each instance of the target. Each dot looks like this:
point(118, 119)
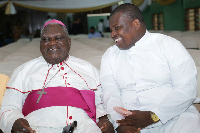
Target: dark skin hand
point(105, 125)
point(127, 129)
point(22, 126)
point(138, 119)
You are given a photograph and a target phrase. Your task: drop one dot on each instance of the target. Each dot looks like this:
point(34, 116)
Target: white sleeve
point(12, 103)
point(100, 110)
point(11, 109)
point(110, 91)
point(183, 79)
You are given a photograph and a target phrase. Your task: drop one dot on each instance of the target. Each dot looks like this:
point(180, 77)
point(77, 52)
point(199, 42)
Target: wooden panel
point(192, 19)
point(158, 21)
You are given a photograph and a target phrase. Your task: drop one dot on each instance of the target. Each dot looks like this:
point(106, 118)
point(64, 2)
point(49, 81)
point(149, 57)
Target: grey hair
point(64, 29)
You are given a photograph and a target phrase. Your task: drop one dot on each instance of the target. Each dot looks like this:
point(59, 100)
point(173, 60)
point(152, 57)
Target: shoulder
point(97, 34)
point(162, 38)
point(111, 51)
point(81, 64)
point(90, 35)
point(27, 66)
point(85, 69)
point(22, 71)
point(165, 42)
point(169, 46)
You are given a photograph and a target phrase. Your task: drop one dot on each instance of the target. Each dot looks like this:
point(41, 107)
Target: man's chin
point(53, 61)
point(124, 47)
point(121, 48)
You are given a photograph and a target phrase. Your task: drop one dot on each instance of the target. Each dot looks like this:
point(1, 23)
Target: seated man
point(52, 91)
point(148, 79)
point(93, 34)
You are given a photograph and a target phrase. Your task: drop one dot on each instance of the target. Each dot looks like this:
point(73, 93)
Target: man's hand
point(22, 126)
point(127, 129)
point(138, 119)
point(105, 125)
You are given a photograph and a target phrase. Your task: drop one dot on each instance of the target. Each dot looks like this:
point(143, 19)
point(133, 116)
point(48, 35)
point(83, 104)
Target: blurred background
point(22, 20)
point(25, 18)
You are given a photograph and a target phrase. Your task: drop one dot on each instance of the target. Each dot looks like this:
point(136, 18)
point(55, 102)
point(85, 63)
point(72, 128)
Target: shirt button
point(70, 117)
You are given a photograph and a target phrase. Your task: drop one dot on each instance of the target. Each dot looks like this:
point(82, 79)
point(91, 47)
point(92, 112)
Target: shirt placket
point(70, 115)
point(133, 56)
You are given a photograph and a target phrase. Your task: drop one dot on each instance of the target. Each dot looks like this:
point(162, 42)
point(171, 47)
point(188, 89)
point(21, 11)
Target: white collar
point(140, 42)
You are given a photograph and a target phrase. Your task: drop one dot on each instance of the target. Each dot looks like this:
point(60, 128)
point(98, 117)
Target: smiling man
point(148, 79)
point(53, 91)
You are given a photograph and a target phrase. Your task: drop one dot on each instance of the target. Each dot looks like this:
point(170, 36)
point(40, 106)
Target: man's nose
point(52, 42)
point(112, 34)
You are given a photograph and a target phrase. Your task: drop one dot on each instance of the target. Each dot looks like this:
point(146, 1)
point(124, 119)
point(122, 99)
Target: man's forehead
point(51, 27)
point(53, 31)
point(118, 14)
point(117, 17)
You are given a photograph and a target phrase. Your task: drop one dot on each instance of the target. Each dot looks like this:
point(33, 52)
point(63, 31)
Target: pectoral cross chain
point(42, 92)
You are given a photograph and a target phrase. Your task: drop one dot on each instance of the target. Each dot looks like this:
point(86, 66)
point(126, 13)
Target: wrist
point(103, 117)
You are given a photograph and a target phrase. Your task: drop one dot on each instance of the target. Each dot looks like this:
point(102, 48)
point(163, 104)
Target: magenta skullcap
point(54, 21)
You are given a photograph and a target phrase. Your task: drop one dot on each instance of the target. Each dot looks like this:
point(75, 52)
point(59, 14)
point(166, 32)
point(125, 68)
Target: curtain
point(65, 6)
point(10, 9)
point(2, 3)
point(36, 14)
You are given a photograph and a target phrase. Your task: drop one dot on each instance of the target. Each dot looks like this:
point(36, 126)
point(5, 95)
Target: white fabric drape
point(65, 5)
point(10, 9)
point(2, 3)
point(69, 6)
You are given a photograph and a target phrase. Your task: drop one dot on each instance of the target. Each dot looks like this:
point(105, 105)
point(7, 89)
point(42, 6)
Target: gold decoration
point(165, 2)
point(137, 2)
point(63, 10)
point(10, 9)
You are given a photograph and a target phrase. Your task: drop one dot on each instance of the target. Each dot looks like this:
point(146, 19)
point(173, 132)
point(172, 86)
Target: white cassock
point(36, 73)
point(158, 75)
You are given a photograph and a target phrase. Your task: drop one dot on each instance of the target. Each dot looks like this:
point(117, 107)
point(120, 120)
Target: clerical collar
point(140, 42)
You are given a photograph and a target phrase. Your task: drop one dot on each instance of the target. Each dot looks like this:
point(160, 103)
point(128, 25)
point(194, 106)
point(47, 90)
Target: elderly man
point(50, 92)
point(148, 79)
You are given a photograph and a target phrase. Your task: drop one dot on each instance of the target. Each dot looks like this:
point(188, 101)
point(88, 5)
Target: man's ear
point(136, 24)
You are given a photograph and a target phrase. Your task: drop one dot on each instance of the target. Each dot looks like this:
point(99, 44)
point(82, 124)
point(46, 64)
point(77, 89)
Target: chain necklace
point(42, 91)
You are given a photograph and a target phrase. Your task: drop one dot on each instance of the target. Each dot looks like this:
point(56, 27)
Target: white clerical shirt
point(36, 73)
point(158, 75)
